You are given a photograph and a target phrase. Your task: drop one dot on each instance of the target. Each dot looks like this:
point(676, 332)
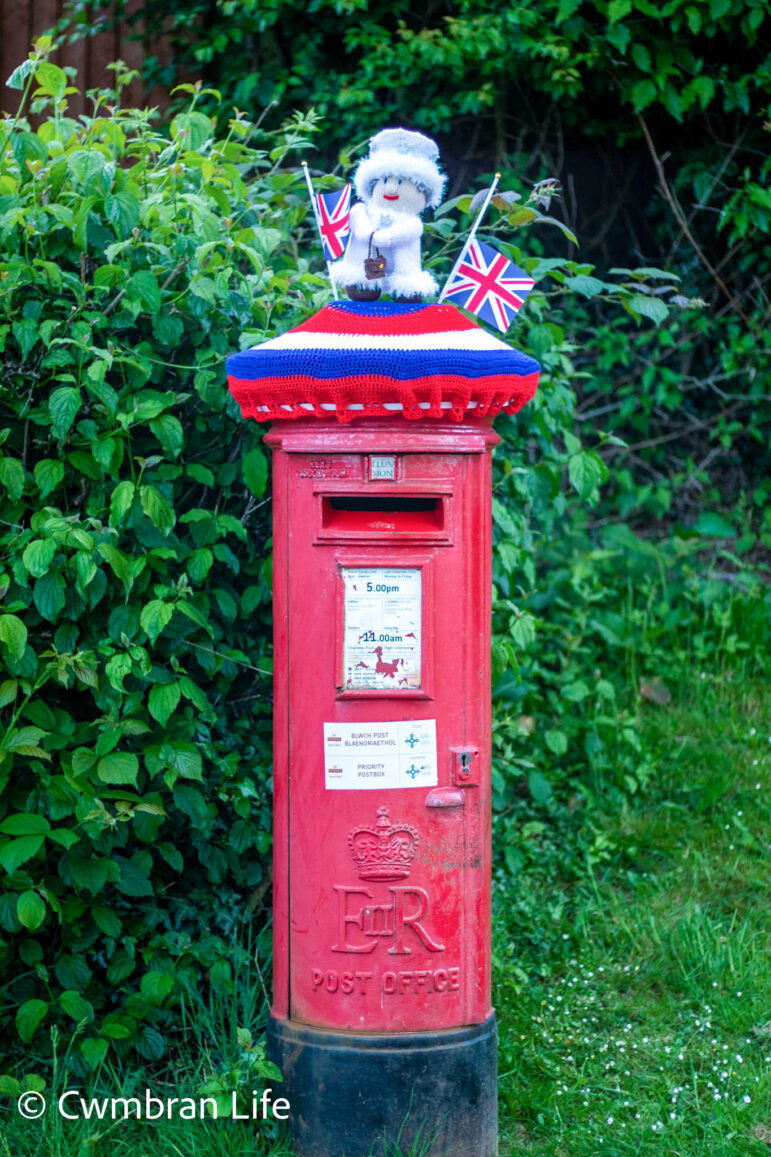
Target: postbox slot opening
point(383, 513)
point(365, 502)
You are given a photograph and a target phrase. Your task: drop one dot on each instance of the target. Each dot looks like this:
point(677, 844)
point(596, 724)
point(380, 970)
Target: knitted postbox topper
point(355, 360)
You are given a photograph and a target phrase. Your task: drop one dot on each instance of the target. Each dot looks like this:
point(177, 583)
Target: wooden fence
point(22, 21)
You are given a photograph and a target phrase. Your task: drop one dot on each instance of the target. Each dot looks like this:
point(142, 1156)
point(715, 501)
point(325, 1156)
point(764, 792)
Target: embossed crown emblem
point(385, 851)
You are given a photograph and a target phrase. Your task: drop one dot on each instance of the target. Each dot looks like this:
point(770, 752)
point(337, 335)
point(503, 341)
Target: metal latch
point(465, 766)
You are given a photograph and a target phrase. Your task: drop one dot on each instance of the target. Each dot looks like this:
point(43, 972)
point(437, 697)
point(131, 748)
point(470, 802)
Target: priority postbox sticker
point(363, 756)
point(381, 644)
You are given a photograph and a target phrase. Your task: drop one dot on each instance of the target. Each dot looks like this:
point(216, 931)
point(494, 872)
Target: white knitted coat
point(397, 237)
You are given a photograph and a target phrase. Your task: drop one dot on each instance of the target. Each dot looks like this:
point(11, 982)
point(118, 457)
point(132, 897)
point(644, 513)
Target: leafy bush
point(135, 632)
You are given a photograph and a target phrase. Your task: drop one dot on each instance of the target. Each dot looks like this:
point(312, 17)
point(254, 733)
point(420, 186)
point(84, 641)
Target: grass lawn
point(636, 1018)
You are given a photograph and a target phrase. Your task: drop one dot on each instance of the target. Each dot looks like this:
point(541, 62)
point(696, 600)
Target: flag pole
point(470, 237)
point(318, 222)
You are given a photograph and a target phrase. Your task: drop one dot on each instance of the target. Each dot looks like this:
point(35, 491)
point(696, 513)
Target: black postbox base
point(350, 1093)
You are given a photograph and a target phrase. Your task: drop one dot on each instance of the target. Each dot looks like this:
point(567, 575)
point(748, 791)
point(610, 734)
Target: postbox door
point(388, 700)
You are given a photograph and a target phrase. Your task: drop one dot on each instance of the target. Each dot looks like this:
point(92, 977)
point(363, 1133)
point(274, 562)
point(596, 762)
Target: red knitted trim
point(282, 397)
point(429, 319)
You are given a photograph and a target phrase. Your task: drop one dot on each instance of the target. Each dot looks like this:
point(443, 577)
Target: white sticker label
point(363, 756)
point(383, 469)
point(381, 645)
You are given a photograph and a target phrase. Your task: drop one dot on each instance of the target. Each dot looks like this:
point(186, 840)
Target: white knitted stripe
point(358, 406)
point(463, 339)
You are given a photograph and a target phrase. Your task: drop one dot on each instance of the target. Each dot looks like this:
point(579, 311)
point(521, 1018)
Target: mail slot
point(353, 514)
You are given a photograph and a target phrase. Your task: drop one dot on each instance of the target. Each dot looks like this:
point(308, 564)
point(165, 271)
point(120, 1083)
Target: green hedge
point(135, 627)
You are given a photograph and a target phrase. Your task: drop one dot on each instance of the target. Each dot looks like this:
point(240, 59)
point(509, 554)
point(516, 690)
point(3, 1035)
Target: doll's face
point(399, 195)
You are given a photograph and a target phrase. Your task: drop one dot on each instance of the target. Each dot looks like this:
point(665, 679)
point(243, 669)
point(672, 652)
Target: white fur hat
point(402, 153)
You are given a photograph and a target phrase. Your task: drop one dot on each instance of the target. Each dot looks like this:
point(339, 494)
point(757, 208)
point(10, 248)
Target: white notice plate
point(360, 756)
point(382, 626)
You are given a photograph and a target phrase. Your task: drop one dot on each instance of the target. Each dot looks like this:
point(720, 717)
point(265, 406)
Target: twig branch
point(684, 224)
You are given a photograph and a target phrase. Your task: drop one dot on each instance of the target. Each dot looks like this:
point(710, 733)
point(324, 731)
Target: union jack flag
point(333, 213)
point(488, 285)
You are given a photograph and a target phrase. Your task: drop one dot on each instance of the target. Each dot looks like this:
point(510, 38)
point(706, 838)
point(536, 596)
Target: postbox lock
point(465, 766)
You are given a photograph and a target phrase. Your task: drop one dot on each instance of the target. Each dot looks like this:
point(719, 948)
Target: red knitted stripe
point(491, 394)
point(429, 319)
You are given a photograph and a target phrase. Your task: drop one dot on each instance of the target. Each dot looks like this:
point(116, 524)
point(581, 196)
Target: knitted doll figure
point(395, 183)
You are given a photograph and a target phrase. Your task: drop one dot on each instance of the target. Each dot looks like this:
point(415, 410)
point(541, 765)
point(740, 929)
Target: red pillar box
point(382, 720)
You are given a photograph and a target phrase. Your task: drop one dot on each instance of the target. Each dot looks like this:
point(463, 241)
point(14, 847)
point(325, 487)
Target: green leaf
point(64, 836)
point(63, 405)
point(157, 509)
point(502, 517)
point(91, 873)
point(93, 1050)
point(585, 285)
point(642, 94)
point(190, 801)
point(586, 471)
point(48, 473)
point(49, 596)
point(255, 470)
point(37, 556)
point(186, 759)
point(523, 630)
point(121, 966)
point(86, 165)
point(25, 823)
point(118, 562)
point(557, 742)
point(163, 701)
point(17, 852)
point(199, 564)
point(191, 611)
point(118, 767)
point(575, 692)
point(106, 921)
point(155, 987)
point(51, 79)
point(76, 1005)
point(150, 1043)
point(28, 147)
point(29, 1017)
point(714, 526)
point(12, 477)
point(154, 617)
point(168, 431)
point(18, 77)
point(122, 211)
point(31, 910)
point(133, 881)
point(120, 501)
point(539, 786)
point(641, 57)
point(14, 634)
point(118, 1029)
point(8, 691)
point(650, 307)
point(143, 286)
point(195, 126)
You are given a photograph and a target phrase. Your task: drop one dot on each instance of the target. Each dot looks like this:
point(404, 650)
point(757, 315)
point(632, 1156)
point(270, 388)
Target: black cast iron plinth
point(349, 1091)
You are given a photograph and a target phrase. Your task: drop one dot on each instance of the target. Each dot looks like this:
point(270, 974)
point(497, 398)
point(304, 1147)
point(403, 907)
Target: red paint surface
point(390, 950)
